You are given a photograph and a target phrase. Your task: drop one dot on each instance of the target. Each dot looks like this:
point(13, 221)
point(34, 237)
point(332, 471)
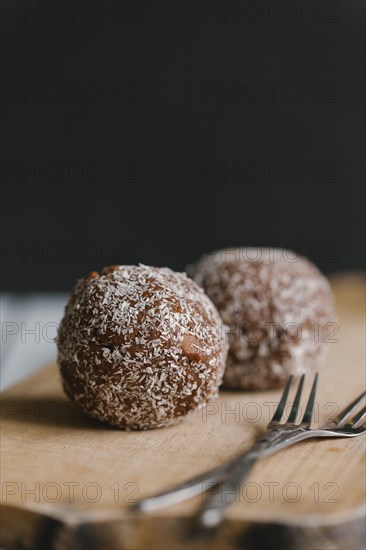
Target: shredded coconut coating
point(277, 305)
point(140, 347)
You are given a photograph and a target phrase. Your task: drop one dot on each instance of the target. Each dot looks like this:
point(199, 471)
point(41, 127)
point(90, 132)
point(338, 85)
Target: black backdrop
point(155, 131)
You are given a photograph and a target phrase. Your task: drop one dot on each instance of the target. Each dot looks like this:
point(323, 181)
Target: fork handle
point(200, 483)
point(229, 487)
point(196, 485)
point(183, 491)
point(227, 491)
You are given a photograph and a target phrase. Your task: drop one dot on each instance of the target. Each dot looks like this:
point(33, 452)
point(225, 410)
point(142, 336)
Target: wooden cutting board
point(67, 481)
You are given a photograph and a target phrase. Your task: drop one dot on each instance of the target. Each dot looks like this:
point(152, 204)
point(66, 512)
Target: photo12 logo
point(269, 12)
point(273, 492)
point(70, 172)
point(71, 12)
point(255, 412)
point(70, 93)
point(69, 492)
point(328, 252)
point(69, 252)
point(251, 92)
point(255, 172)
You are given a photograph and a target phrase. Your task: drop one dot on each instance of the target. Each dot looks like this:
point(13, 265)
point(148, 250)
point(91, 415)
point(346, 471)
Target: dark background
point(155, 131)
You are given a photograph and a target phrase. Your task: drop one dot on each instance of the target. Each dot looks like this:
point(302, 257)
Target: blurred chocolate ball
point(278, 307)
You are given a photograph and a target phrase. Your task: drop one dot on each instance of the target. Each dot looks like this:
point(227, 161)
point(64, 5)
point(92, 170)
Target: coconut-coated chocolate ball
point(140, 347)
point(279, 309)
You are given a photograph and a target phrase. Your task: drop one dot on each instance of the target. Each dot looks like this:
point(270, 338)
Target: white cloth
point(28, 327)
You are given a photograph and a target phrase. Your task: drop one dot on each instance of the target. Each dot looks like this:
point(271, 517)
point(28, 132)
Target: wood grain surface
point(67, 481)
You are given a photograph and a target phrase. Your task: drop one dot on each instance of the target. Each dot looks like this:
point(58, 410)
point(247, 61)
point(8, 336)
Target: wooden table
point(67, 481)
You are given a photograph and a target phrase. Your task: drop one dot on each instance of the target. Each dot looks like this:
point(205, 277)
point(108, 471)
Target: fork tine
point(306, 419)
point(295, 406)
point(358, 419)
point(281, 405)
point(344, 415)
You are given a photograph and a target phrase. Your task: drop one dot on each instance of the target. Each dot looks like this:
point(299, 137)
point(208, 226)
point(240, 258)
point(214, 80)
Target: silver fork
point(277, 437)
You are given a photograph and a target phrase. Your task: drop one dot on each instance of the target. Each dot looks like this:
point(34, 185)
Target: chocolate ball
point(140, 347)
point(278, 307)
